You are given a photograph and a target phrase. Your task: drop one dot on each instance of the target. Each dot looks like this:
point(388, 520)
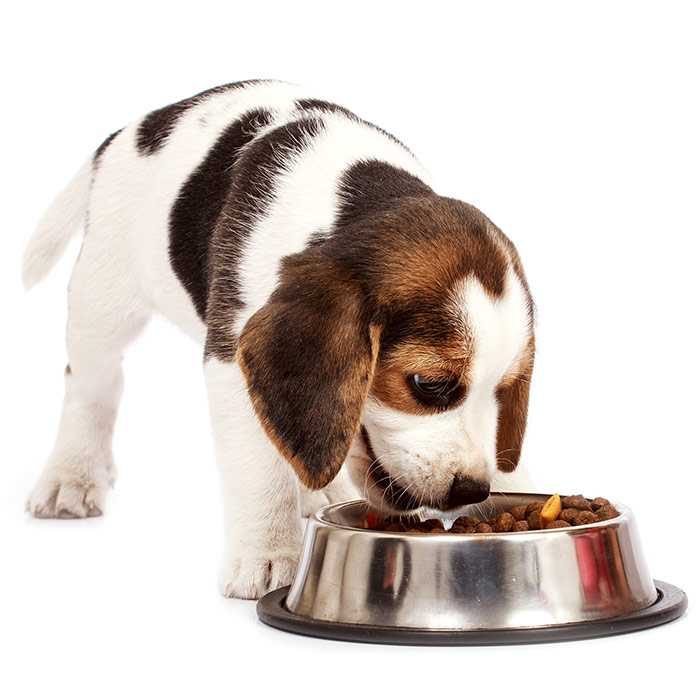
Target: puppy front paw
point(251, 575)
point(55, 496)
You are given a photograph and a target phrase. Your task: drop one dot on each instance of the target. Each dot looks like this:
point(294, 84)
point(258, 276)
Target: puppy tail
point(57, 226)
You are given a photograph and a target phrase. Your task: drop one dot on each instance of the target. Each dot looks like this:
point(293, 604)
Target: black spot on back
point(310, 103)
point(104, 145)
point(156, 126)
point(252, 188)
point(199, 204)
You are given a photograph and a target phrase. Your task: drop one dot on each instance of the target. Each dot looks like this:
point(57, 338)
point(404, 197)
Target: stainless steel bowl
point(494, 581)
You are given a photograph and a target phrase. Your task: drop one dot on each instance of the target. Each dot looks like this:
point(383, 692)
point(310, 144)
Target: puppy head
point(403, 345)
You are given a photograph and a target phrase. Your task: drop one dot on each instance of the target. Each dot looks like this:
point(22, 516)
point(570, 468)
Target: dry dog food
point(538, 515)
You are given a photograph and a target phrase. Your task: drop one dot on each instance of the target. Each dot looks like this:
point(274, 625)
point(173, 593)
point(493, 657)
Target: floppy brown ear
point(308, 357)
point(513, 401)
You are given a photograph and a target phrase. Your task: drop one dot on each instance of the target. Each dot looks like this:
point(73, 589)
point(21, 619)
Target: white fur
point(260, 491)
point(56, 227)
point(123, 274)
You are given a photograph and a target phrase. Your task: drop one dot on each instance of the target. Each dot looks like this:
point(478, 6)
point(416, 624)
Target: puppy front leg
point(260, 491)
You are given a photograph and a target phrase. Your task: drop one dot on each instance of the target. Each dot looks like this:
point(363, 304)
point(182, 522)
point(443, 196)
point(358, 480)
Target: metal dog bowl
point(357, 584)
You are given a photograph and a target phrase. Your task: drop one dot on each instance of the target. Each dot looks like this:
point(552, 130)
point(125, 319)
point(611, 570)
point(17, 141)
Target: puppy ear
point(308, 357)
point(512, 414)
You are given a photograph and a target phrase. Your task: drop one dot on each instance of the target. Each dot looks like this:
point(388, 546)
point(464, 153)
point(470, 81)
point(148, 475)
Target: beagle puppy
point(349, 315)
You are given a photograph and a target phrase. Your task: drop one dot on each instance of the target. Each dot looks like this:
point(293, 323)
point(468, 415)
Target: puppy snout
point(465, 491)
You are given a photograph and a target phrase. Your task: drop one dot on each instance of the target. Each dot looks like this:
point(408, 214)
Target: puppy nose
point(465, 491)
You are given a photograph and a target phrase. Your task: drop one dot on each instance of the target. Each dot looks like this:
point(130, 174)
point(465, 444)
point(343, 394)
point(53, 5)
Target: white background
point(573, 126)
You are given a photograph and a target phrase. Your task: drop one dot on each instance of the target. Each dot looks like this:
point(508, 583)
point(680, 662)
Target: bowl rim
point(670, 603)
point(318, 517)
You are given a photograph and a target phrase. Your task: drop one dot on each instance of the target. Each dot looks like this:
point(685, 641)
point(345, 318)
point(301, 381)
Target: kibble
point(597, 503)
point(607, 512)
point(533, 520)
point(569, 514)
point(585, 517)
point(575, 502)
point(504, 522)
point(556, 523)
point(558, 512)
point(518, 512)
point(466, 521)
point(550, 511)
point(533, 505)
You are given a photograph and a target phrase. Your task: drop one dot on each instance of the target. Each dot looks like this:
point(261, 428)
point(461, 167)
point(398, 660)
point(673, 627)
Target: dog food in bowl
point(556, 512)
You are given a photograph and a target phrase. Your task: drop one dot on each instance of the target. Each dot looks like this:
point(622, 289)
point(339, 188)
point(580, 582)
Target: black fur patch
point(156, 126)
point(103, 146)
point(331, 107)
point(304, 357)
point(252, 187)
point(311, 103)
point(435, 237)
point(372, 185)
point(419, 321)
point(199, 204)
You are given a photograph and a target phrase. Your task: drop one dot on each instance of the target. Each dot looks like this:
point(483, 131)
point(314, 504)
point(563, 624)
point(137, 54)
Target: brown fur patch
point(439, 241)
point(513, 396)
point(391, 377)
point(308, 357)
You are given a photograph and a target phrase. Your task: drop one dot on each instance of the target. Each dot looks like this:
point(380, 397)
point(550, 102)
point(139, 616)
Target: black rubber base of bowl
point(670, 604)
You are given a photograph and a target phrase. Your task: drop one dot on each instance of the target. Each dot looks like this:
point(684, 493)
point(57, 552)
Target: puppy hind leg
point(105, 315)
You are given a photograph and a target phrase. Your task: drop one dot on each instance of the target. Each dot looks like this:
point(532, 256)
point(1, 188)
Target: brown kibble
point(533, 505)
point(577, 501)
point(569, 514)
point(607, 512)
point(459, 530)
point(519, 512)
point(533, 520)
point(504, 523)
point(557, 512)
point(585, 517)
point(556, 523)
point(466, 521)
point(550, 511)
point(425, 525)
point(599, 502)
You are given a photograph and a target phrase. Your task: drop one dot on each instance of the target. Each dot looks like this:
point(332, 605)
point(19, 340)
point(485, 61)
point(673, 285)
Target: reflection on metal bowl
point(350, 574)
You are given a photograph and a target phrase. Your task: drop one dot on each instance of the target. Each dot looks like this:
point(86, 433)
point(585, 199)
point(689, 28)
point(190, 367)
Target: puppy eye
point(437, 393)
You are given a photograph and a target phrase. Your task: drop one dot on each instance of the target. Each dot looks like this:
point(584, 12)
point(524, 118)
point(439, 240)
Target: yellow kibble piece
point(550, 511)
